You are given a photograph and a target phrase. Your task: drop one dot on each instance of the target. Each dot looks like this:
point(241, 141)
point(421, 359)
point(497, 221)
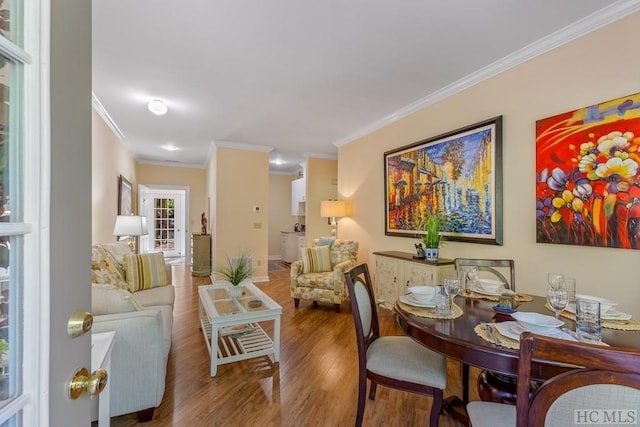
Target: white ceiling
point(305, 76)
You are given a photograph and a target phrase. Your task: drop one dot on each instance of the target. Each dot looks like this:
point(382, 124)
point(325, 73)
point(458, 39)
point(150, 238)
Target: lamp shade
point(333, 208)
point(130, 225)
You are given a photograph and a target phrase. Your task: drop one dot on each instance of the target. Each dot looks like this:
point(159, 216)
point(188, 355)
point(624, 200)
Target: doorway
point(166, 210)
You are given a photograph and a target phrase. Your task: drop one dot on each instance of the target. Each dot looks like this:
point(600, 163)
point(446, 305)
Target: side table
point(101, 345)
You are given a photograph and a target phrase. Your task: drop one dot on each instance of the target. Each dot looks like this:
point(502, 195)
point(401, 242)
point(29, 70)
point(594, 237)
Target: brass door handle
point(82, 381)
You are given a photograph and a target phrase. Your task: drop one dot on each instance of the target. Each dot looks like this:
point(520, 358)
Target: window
point(20, 157)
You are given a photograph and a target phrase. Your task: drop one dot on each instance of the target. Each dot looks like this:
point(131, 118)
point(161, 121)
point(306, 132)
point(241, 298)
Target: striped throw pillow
point(145, 271)
point(316, 260)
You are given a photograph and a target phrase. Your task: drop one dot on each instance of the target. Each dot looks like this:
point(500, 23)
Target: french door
point(165, 212)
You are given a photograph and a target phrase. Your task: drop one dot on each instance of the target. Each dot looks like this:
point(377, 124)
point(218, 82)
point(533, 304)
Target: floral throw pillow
point(103, 270)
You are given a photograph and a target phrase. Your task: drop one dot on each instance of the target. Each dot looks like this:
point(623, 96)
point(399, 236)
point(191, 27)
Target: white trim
point(588, 24)
point(102, 112)
point(171, 164)
point(14, 52)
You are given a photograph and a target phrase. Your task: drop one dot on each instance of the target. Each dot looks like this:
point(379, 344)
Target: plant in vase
point(432, 238)
point(236, 271)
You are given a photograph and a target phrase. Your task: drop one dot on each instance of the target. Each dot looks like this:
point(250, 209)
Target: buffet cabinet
point(201, 255)
point(396, 271)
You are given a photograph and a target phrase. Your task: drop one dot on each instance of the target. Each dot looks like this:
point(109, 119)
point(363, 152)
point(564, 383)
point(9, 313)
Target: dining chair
point(603, 389)
point(392, 361)
point(496, 267)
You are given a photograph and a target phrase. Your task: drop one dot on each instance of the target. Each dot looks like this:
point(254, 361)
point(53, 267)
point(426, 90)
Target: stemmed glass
point(555, 280)
point(557, 299)
point(453, 288)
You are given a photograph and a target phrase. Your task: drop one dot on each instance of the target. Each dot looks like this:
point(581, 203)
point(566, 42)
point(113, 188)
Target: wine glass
point(555, 280)
point(557, 299)
point(453, 288)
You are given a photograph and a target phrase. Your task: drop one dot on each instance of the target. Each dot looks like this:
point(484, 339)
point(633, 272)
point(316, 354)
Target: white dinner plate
point(609, 315)
point(513, 329)
point(407, 299)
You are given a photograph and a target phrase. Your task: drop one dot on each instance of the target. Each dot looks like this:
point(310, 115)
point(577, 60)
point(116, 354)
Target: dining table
point(457, 338)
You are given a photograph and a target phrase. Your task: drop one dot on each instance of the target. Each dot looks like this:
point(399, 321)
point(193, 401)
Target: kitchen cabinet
point(396, 271)
point(290, 244)
point(298, 196)
point(201, 255)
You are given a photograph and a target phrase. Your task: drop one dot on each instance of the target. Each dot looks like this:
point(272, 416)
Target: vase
point(235, 291)
point(432, 254)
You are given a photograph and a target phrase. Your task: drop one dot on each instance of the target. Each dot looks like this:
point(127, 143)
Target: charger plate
point(430, 313)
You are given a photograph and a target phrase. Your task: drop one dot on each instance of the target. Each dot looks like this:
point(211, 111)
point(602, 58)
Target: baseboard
point(260, 279)
point(274, 257)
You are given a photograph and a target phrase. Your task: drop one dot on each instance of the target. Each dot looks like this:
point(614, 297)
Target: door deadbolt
point(79, 323)
point(82, 381)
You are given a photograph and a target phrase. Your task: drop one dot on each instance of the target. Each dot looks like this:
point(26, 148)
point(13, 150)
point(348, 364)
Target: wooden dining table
point(456, 339)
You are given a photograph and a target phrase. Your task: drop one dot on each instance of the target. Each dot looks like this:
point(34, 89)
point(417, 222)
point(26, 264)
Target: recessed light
point(170, 147)
point(157, 107)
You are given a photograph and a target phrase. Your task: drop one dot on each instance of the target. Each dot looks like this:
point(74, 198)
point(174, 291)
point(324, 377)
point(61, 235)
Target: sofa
point(319, 275)
point(133, 295)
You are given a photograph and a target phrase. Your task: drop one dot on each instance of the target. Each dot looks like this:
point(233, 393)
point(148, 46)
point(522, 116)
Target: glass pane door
point(167, 233)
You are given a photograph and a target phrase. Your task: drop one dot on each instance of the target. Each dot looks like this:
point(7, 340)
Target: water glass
point(556, 280)
point(588, 326)
point(557, 299)
point(442, 300)
point(570, 286)
point(453, 286)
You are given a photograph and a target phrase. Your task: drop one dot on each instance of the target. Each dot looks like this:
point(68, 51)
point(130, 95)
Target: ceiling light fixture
point(157, 107)
point(170, 147)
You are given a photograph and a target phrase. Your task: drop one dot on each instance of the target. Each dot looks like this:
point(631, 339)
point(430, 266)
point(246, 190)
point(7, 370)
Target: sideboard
point(396, 271)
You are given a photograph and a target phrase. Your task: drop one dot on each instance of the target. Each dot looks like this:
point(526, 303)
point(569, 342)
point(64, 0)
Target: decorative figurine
point(420, 251)
point(203, 220)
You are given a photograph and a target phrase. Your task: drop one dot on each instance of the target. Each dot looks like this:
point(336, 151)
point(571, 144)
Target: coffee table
point(230, 325)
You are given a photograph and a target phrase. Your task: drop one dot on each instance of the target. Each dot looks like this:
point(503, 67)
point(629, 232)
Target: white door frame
point(171, 190)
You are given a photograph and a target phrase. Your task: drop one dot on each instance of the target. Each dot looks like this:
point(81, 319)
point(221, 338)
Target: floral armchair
point(317, 279)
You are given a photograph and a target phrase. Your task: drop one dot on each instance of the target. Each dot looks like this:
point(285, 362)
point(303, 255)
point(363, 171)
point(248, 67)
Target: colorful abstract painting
point(588, 180)
point(457, 175)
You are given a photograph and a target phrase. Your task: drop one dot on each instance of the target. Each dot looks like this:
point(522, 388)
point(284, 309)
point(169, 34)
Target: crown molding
point(102, 112)
point(582, 27)
point(171, 164)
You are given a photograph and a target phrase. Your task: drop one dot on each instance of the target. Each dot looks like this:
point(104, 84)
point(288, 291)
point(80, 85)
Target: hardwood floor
point(315, 383)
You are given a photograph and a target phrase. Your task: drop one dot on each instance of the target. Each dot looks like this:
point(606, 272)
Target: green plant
point(237, 269)
point(4, 346)
point(433, 226)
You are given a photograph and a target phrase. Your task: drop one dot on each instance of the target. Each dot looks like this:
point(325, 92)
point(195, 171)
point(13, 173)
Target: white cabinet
point(290, 244)
point(395, 271)
point(298, 196)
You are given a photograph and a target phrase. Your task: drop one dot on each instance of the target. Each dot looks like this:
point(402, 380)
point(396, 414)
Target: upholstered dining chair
point(319, 275)
point(392, 361)
point(605, 386)
point(493, 267)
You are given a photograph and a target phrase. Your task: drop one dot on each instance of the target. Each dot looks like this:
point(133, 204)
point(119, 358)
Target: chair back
point(495, 267)
point(604, 389)
point(363, 308)
point(340, 250)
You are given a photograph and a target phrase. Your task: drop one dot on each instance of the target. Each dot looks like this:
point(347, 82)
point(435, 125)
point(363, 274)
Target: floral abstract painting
point(588, 179)
point(457, 175)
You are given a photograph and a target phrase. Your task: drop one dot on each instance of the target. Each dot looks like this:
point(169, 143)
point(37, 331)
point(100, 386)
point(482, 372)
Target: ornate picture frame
point(457, 174)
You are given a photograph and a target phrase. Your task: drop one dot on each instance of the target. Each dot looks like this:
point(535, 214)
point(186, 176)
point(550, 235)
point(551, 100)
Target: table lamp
point(130, 226)
point(333, 209)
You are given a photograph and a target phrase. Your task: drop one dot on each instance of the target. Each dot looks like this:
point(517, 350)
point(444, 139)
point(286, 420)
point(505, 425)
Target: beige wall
point(109, 159)
point(194, 178)
point(595, 68)
point(241, 182)
point(280, 218)
point(322, 184)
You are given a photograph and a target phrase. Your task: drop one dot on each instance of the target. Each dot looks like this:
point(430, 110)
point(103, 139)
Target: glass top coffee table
point(231, 326)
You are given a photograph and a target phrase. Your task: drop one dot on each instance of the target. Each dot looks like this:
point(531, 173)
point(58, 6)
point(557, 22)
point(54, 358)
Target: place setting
point(434, 302)
point(564, 301)
point(489, 289)
point(507, 333)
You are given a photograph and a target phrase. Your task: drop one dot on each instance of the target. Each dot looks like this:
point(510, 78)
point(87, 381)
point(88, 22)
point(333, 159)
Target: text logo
point(605, 416)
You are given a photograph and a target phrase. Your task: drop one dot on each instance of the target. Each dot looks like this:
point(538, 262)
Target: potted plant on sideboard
point(432, 238)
